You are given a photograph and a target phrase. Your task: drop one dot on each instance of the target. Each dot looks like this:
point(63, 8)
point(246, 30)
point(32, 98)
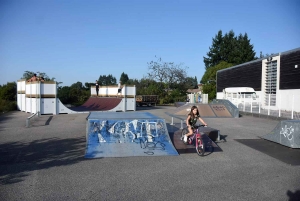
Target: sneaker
point(185, 139)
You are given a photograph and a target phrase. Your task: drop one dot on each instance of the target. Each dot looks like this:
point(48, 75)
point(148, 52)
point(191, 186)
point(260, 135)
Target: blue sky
point(79, 40)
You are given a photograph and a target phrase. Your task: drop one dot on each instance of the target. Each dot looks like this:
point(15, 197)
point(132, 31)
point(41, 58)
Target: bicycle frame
point(199, 144)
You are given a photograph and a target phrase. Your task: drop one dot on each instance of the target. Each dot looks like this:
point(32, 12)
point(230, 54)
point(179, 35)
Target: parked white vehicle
point(240, 95)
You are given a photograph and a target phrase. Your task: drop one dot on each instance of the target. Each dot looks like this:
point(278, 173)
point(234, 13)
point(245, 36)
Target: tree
point(28, 74)
point(266, 55)
point(124, 78)
point(88, 85)
point(214, 56)
point(195, 83)
point(209, 79)
point(229, 48)
point(149, 87)
point(8, 97)
point(8, 91)
point(63, 93)
point(107, 80)
point(245, 50)
point(166, 74)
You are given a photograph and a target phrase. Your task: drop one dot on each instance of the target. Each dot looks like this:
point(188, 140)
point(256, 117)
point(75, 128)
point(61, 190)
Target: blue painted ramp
point(127, 134)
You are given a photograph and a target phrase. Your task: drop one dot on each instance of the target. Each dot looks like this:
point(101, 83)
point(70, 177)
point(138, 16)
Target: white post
point(30, 98)
point(172, 122)
point(55, 100)
point(181, 124)
point(259, 103)
point(124, 99)
point(21, 108)
point(269, 104)
point(134, 101)
point(279, 105)
point(293, 107)
point(36, 97)
point(251, 102)
point(244, 102)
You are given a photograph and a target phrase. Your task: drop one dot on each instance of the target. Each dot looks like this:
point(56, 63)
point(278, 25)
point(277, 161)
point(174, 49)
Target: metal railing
point(28, 119)
point(271, 105)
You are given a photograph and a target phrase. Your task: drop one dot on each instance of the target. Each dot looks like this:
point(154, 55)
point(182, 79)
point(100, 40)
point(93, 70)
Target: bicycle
point(196, 138)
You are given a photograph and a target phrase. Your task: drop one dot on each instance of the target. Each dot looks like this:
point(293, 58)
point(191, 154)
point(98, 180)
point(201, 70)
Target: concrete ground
point(46, 162)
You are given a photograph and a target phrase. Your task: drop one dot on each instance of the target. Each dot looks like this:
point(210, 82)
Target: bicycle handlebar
point(200, 125)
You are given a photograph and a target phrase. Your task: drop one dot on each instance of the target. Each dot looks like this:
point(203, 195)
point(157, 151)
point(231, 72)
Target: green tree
point(244, 50)
point(229, 48)
point(166, 74)
point(265, 55)
point(133, 82)
point(107, 80)
point(214, 56)
point(209, 79)
point(124, 78)
point(89, 84)
point(195, 83)
point(63, 93)
point(8, 91)
point(28, 74)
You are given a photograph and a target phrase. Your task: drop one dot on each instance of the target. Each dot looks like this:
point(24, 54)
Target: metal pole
point(172, 122)
point(181, 124)
point(27, 122)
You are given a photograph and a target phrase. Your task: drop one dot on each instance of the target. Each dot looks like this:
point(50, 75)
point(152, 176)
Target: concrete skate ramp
point(220, 110)
point(98, 104)
point(205, 110)
point(286, 132)
point(127, 134)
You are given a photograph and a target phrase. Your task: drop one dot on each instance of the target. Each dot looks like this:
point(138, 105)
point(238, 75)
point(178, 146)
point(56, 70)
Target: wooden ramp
point(98, 104)
point(205, 110)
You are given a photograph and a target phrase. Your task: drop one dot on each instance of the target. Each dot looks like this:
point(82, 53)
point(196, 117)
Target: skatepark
point(47, 162)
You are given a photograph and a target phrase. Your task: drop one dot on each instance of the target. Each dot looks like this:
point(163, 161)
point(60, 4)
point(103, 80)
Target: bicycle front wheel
point(200, 148)
point(184, 131)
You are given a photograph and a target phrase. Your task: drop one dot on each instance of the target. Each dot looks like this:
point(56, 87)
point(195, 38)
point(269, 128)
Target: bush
point(6, 106)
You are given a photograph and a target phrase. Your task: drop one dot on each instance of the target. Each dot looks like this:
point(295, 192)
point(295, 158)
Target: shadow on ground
point(17, 159)
point(284, 154)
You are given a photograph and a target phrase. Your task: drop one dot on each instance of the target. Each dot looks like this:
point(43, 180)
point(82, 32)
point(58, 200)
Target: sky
point(79, 40)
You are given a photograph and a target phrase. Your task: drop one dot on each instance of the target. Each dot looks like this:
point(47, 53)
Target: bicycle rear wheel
point(200, 148)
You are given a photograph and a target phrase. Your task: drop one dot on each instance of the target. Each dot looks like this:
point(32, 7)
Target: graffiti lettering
point(287, 132)
point(219, 108)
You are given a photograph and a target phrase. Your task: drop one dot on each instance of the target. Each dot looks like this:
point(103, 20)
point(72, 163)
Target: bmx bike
point(195, 139)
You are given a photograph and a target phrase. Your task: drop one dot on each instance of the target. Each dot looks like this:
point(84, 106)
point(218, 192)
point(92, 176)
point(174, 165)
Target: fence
point(283, 106)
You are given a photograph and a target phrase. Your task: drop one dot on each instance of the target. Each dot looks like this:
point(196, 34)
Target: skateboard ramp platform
point(127, 134)
point(99, 104)
point(94, 104)
point(205, 110)
point(286, 132)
